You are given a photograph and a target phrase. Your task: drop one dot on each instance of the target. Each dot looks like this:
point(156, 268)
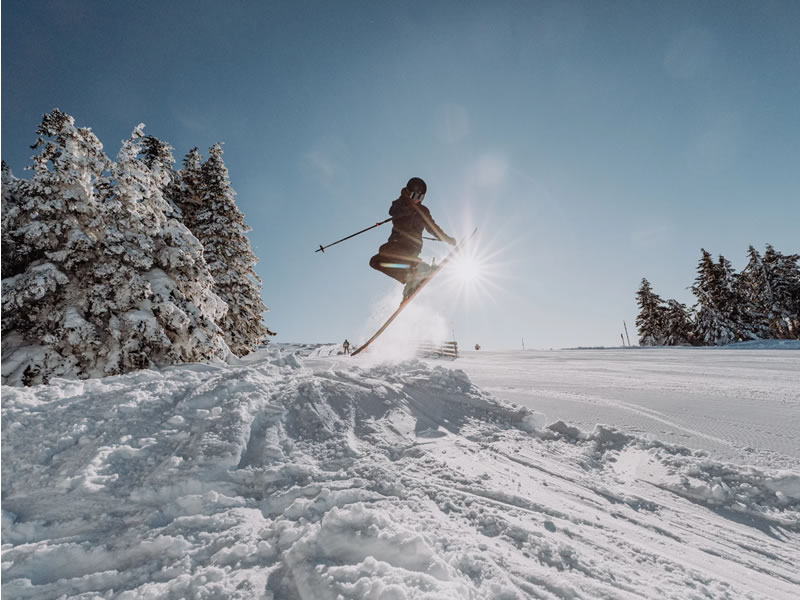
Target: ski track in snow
point(338, 478)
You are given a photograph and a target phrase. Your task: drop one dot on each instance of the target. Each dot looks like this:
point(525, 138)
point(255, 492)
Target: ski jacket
point(408, 222)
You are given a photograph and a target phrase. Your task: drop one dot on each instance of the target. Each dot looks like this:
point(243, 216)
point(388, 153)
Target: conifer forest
point(760, 302)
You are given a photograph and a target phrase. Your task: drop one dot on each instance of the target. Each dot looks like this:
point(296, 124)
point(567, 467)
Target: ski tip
point(467, 238)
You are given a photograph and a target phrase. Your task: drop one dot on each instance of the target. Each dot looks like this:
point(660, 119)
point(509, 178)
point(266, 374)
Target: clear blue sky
point(593, 143)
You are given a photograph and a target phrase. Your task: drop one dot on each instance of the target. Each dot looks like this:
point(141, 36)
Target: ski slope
point(740, 405)
point(300, 474)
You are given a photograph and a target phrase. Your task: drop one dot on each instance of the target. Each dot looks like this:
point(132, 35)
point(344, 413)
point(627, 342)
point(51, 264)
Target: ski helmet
point(416, 188)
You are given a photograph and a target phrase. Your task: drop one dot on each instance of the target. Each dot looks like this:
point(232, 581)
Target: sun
point(469, 272)
point(474, 274)
point(467, 269)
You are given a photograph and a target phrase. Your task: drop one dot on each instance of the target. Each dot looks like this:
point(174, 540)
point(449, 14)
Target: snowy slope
point(341, 478)
point(741, 406)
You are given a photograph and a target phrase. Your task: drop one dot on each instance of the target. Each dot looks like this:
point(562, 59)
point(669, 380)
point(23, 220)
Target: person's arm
point(432, 227)
point(400, 208)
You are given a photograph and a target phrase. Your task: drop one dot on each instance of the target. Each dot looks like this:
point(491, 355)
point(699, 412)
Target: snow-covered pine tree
point(210, 211)
point(52, 227)
point(192, 181)
point(677, 324)
point(736, 307)
point(13, 261)
point(754, 286)
point(157, 156)
point(720, 313)
point(784, 275)
point(711, 325)
point(100, 280)
point(160, 302)
point(650, 321)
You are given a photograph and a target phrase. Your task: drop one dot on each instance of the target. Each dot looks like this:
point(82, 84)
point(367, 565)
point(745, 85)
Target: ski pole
point(322, 248)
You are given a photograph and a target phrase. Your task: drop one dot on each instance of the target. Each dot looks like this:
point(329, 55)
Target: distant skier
point(399, 256)
point(346, 346)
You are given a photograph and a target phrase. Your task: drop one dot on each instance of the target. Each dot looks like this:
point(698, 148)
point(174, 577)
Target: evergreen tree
point(157, 156)
point(650, 321)
point(58, 210)
point(192, 180)
point(191, 196)
point(782, 273)
point(162, 270)
point(706, 315)
point(735, 305)
point(52, 226)
point(99, 279)
point(754, 285)
point(677, 324)
point(720, 315)
point(13, 261)
point(211, 213)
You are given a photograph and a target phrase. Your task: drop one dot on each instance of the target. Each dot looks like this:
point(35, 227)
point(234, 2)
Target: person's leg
point(395, 261)
point(389, 266)
point(416, 274)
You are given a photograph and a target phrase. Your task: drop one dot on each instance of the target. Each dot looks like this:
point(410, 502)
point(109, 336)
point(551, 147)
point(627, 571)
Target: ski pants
point(396, 260)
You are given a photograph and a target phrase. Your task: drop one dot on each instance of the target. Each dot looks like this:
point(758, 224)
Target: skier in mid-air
point(399, 256)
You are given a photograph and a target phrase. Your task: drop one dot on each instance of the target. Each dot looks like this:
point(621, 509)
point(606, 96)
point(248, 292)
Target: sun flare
point(467, 269)
point(475, 274)
point(470, 273)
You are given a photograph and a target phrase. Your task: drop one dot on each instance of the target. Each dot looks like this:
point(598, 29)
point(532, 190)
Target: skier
point(346, 346)
point(399, 256)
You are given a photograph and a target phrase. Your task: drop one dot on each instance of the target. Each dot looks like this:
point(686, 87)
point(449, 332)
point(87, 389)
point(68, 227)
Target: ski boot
point(415, 277)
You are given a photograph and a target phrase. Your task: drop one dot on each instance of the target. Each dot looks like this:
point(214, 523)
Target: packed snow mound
point(289, 463)
point(398, 481)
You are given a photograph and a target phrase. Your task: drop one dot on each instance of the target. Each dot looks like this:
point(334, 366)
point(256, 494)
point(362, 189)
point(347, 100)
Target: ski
point(421, 285)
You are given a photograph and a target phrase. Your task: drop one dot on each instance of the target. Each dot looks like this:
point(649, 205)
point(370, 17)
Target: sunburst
point(472, 274)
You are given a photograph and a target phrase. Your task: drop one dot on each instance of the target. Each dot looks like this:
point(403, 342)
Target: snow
point(300, 473)
point(765, 345)
point(739, 406)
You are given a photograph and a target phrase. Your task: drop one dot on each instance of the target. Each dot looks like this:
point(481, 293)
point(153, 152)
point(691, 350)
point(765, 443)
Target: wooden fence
point(439, 350)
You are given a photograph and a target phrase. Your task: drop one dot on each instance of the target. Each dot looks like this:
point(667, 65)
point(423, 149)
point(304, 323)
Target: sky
point(591, 143)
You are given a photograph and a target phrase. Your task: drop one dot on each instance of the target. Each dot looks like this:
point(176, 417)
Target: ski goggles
point(416, 195)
